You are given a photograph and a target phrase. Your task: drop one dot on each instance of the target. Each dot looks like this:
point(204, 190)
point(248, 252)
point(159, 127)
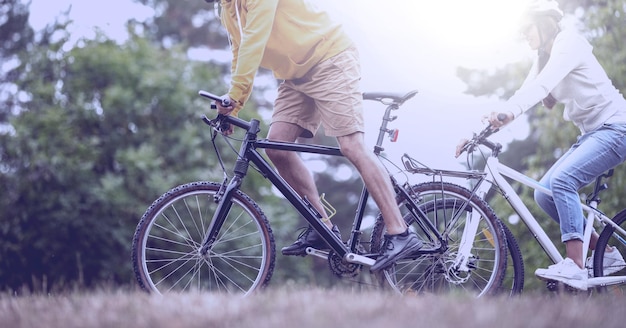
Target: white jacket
point(575, 78)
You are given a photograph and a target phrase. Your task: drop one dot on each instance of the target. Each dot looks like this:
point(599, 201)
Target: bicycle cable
point(228, 139)
point(483, 155)
point(219, 156)
point(400, 170)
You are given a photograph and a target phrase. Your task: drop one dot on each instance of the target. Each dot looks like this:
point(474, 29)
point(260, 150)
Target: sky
point(404, 45)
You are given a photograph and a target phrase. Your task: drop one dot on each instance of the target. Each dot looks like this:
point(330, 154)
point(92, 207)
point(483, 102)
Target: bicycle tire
point(515, 265)
point(166, 243)
point(609, 237)
point(434, 273)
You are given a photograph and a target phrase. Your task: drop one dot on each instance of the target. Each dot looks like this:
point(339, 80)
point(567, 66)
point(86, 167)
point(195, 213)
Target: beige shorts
point(329, 94)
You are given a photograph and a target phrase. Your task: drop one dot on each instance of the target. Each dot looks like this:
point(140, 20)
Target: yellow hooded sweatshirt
point(288, 37)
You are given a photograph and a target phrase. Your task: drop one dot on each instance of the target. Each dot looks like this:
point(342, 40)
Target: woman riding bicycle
point(567, 72)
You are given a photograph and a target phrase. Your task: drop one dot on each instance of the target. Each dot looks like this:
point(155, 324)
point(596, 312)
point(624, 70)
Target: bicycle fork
point(470, 230)
point(465, 247)
point(225, 201)
point(223, 207)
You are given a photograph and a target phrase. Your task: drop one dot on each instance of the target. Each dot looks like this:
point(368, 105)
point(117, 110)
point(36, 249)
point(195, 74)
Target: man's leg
point(291, 168)
point(376, 180)
point(399, 241)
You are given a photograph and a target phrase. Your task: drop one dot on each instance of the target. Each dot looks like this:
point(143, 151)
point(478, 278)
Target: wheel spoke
point(166, 246)
point(448, 210)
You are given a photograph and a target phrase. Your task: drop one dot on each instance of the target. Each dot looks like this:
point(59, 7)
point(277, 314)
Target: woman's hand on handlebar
point(460, 147)
point(498, 120)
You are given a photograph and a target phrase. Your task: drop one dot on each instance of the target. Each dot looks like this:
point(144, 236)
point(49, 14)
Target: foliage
point(191, 23)
point(96, 133)
point(15, 35)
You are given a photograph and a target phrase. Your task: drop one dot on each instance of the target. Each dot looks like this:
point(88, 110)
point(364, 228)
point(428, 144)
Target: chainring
point(342, 268)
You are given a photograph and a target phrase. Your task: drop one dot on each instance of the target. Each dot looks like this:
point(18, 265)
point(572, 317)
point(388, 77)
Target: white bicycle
point(613, 231)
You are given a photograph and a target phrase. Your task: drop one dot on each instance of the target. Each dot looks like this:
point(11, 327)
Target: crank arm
point(316, 252)
point(360, 259)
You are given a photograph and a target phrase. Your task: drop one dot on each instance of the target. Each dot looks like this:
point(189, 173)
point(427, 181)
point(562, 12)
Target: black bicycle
point(211, 236)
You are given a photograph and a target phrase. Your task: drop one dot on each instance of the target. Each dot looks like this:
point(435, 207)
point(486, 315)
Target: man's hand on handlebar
point(226, 107)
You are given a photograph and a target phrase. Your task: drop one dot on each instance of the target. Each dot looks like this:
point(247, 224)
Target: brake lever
point(216, 123)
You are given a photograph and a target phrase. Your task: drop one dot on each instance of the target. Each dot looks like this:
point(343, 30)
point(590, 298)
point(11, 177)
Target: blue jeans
point(593, 154)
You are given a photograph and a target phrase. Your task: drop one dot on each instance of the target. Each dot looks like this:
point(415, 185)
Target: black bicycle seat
point(395, 97)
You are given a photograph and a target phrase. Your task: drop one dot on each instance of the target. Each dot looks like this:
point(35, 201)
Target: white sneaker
point(612, 262)
point(566, 272)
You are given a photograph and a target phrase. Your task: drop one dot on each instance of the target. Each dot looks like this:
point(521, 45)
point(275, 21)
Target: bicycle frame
point(248, 152)
point(495, 173)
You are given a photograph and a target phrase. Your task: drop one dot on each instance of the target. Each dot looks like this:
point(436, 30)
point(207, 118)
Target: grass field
point(283, 307)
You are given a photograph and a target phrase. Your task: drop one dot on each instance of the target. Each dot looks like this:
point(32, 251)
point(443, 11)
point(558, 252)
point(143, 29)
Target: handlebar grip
point(206, 94)
point(491, 145)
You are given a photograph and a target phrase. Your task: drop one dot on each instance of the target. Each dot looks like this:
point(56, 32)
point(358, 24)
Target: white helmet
point(544, 8)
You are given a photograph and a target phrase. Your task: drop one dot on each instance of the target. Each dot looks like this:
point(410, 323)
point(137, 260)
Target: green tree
point(192, 23)
point(15, 35)
point(94, 135)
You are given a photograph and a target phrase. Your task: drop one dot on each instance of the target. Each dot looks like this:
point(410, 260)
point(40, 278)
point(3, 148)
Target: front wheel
point(448, 209)
point(165, 251)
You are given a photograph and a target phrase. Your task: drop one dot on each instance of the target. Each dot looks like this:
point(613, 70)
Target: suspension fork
point(465, 247)
point(223, 208)
point(472, 219)
point(225, 202)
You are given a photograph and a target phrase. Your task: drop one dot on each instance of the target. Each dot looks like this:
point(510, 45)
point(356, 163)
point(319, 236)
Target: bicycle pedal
point(552, 285)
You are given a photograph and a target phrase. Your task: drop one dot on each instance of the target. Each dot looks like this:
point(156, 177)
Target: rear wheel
point(165, 251)
point(447, 207)
point(514, 279)
point(611, 237)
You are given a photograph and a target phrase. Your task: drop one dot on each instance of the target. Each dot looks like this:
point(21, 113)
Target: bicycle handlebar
point(481, 139)
point(224, 101)
point(496, 148)
point(221, 121)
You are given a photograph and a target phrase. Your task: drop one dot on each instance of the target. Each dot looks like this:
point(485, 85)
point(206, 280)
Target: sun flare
point(467, 23)
point(451, 28)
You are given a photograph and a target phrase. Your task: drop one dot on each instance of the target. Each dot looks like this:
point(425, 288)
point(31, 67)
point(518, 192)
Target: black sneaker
point(308, 238)
point(394, 248)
